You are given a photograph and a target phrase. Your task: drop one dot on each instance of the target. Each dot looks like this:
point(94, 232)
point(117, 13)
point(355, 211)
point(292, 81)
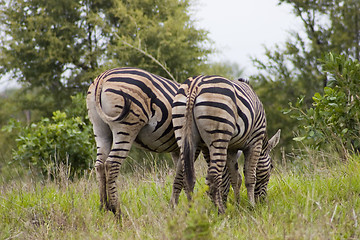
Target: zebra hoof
point(221, 210)
point(173, 203)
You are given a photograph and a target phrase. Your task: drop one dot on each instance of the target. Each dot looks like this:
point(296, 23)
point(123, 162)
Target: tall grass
point(304, 202)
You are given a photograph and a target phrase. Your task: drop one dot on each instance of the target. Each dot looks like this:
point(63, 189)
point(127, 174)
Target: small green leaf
point(328, 90)
point(298, 139)
point(286, 111)
point(317, 96)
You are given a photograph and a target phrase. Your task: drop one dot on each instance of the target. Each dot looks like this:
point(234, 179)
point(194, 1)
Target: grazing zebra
point(126, 106)
point(220, 117)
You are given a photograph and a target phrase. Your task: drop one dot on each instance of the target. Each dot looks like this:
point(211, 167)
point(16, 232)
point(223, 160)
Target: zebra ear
point(274, 140)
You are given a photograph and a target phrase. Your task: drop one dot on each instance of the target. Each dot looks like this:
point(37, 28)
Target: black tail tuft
point(188, 164)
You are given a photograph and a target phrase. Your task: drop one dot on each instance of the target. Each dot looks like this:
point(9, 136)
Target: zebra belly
point(160, 140)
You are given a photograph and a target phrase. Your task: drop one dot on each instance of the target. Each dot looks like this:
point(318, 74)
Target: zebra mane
point(244, 80)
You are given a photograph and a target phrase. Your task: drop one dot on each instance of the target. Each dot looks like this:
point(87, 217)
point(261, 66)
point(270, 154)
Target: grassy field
point(313, 201)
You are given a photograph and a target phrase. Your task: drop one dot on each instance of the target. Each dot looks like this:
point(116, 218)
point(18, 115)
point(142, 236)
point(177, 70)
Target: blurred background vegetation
point(309, 84)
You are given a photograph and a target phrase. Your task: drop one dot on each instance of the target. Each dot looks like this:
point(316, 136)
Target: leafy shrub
point(334, 117)
point(67, 138)
point(59, 139)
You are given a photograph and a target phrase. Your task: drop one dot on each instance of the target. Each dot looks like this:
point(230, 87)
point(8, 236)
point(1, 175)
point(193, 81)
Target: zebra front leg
point(235, 176)
point(251, 159)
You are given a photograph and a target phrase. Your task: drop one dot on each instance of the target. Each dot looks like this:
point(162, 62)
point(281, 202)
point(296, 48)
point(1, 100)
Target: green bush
point(334, 118)
point(65, 138)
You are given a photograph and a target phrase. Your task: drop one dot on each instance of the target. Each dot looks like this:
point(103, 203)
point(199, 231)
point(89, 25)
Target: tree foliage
point(56, 48)
point(333, 119)
point(293, 69)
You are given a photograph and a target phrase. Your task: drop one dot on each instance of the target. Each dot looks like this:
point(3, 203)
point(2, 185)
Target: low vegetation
point(317, 199)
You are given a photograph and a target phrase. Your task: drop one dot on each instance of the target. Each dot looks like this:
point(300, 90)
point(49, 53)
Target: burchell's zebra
point(126, 106)
point(220, 117)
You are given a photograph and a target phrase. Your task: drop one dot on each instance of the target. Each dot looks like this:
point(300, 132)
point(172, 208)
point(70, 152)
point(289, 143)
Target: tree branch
point(148, 55)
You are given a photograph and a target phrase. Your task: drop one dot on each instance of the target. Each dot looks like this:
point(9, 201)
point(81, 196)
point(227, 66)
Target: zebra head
point(264, 167)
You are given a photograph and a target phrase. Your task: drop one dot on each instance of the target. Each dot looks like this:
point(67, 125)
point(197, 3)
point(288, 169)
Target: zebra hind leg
point(122, 142)
point(100, 175)
point(178, 184)
point(226, 180)
point(215, 172)
point(103, 138)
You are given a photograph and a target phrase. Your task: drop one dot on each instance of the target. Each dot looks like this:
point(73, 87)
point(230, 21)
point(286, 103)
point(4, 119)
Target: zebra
point(126, 106)
point(221, 117)
point(129, 106)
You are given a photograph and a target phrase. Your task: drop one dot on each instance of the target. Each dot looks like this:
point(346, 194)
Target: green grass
point(321, 202)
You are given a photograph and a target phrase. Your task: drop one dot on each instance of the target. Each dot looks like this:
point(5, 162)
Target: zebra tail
point(189, 145)
point(188, 163)
point(126, 108)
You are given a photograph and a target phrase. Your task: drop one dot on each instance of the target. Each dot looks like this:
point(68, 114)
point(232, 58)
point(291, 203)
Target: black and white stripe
point(131, 106)
point(128, 106)
point(221, 117)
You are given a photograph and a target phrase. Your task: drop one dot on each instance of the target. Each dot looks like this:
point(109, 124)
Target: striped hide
point(128, 106)
point(221, 117)
point(131, 106)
